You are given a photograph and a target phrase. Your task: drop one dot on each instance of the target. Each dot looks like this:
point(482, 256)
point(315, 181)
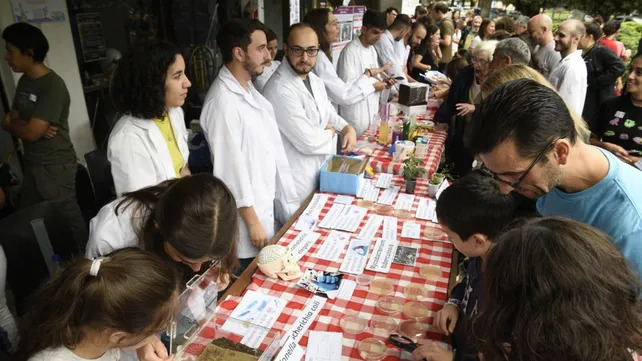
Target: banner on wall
point(38, 11)
point(295, 12)
point(350, 19)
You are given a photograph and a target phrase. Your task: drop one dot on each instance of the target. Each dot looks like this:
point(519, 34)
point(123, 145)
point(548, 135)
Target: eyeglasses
point(516, 185)
point(479, 61)
point(298, 51)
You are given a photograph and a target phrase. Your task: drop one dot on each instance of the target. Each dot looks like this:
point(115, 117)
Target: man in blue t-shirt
point(525, 136)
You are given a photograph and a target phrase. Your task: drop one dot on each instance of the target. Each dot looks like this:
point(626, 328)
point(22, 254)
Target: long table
point(438, 254)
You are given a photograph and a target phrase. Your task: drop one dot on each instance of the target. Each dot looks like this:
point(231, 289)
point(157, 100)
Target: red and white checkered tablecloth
point(436, 253)
point(381, 161)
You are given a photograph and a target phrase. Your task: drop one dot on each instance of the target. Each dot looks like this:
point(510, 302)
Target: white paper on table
point(384, 180)
point(350, 219)
point(346, 289)
point(389, 228)
point(333, 246)
point(370, 192)
point(305, 223)
point(445, 184)
point(315, 206)
point(426, 209)
point(305, 319)
point(388, 195)
point(291, 351)
point(411, 230)
point(258, 309)
point(404, 201)
point(331, 217)
point(383, 254)
point(302, 243)
point(371, 227)
point(324, 346)
point(355, 260)
point(343, 199)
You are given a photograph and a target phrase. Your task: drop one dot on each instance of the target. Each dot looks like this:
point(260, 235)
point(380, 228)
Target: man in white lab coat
point(247, 151)
point(273, 48)
point(355, 58)
point(307, 120)
point(391, 48)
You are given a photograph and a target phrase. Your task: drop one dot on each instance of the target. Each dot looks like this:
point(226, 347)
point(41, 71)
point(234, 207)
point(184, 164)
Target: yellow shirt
point(165, 127)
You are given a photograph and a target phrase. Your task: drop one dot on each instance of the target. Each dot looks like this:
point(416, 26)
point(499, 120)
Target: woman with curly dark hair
point(149, 142)
point(558, 289)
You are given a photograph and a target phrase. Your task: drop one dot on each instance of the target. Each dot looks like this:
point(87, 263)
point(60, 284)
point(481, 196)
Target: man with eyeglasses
point(307, 120)
point(358, 56)
point(526, 138)
point(247, 151)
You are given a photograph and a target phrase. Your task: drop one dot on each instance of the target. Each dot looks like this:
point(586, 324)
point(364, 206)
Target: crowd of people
point(531, 113)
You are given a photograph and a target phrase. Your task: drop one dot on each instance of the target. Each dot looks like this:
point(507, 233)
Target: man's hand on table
point(154, 351)
point(431, 352)
point(349, 139)
point(446, 319)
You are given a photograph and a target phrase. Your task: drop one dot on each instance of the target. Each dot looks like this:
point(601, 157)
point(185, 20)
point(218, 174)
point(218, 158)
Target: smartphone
point(398, 78)
point(635, 152)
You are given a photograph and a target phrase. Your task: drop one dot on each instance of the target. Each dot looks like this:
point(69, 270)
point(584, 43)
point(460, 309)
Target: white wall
point(62, 59)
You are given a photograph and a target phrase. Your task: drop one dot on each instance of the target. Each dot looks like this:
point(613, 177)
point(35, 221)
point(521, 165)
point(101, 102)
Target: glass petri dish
point(364, 203)
point(353, 324)
point(434, 234)
point(415, 310)
point(430, 272)
point(382, 286)
point(412, 329)
point(402, 213)
point(364, 279)
point(383, 325)
point(383, 209)
point(389, 305)
point(372, 349)
point(415, 292)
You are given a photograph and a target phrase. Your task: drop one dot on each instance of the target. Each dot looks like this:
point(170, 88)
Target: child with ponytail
point(97, 307)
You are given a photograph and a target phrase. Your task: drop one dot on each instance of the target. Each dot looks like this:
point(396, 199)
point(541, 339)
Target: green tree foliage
point(630, 33)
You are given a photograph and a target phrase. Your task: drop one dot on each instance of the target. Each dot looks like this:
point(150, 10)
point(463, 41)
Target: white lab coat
point(109, 231)
point(261, 80)
point(391, 51)
point(248, 154)
point(302, 120)
point(353, 61)
point(342, 92)
point(138, 151)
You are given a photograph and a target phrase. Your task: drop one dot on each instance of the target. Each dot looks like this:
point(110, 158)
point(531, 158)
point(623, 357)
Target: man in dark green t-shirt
point(447, 29)
point(39, 117)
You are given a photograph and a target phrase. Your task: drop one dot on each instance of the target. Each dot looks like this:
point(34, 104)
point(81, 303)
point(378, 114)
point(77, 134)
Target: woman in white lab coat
point(149, 143)
point(191, 220)
point(326, 26)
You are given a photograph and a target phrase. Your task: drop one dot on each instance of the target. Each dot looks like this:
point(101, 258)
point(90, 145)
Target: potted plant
point(434, 183)
point(411, 171)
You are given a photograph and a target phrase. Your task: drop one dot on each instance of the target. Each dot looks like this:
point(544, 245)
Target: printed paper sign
point(355, 260)
point(291, 351)
point(302, 243)
point(411, 230)
point(333, 246)
point(426, 209)
point(315, 206)
point(405, 201)
point(305, 319)
point(384, 180)
point(388, 196)
point(383, 254)
point(389, 228)
point(370, 228)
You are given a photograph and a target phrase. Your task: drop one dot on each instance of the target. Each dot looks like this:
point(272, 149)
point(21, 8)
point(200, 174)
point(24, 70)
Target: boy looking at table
point(472, 211)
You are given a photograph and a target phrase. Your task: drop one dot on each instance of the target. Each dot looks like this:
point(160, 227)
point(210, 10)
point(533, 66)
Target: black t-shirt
point(620, 122)
point(426, 59)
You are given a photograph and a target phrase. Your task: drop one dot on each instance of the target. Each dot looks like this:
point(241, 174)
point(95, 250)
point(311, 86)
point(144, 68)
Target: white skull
point(277, 261)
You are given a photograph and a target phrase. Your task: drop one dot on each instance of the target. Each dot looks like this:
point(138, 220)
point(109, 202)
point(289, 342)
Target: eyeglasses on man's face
point(517, 185)
point(298, 51)
point(481, 62)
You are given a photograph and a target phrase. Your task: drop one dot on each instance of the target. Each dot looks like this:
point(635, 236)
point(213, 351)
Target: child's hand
point(154, 351)
point(446, 319)
point(432, 352)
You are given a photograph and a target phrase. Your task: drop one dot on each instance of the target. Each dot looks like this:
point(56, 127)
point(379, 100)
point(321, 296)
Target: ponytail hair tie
point(95, 265)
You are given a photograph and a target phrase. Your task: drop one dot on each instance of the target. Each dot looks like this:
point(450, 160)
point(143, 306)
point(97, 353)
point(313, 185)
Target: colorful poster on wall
point(350, 19)
point(39, 11)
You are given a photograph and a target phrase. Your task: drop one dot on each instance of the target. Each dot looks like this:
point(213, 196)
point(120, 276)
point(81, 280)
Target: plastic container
point(372, 349)
point(353, 324)
point(415, 310)
point(382, 286)
point(389, 305)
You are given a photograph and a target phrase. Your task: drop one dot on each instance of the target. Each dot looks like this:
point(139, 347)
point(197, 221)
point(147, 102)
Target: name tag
point(619, 114)
point(33, 97)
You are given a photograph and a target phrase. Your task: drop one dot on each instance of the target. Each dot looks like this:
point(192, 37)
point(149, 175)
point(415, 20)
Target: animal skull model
point(278, 261)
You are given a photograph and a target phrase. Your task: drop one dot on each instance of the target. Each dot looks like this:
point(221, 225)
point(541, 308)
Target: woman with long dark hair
point(428, 54)
point(486, 29)
point(149, 142)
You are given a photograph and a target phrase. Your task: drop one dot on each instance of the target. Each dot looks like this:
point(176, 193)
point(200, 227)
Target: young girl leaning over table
point(97, 307)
